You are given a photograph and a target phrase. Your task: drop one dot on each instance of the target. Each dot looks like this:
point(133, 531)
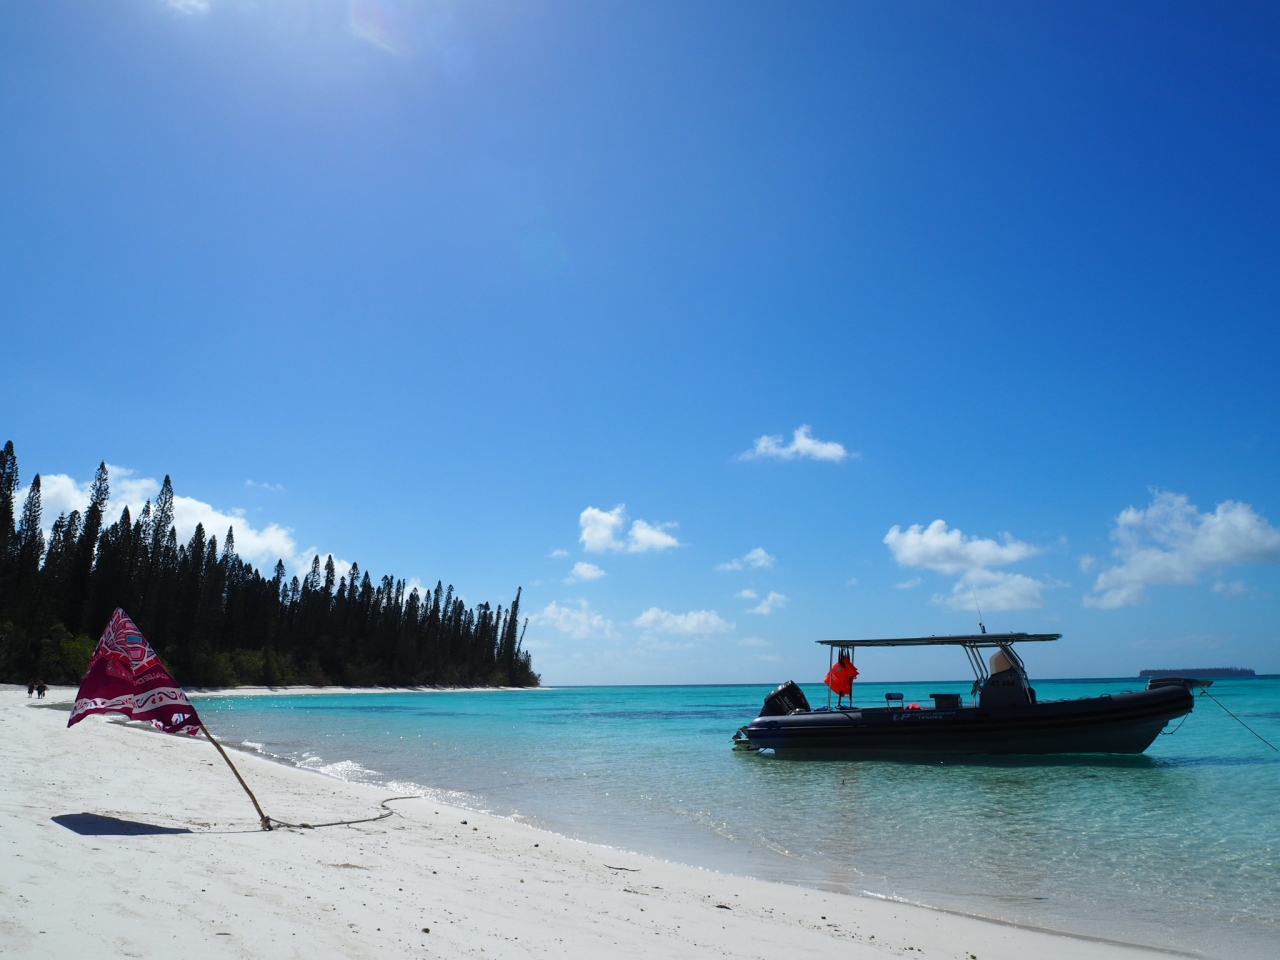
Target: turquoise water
point(1177, 848)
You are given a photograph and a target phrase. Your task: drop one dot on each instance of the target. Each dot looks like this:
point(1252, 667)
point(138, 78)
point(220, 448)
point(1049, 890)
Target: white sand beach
point(123, 842)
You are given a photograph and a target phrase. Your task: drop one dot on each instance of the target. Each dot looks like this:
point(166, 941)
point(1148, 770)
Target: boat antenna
point(981, 625)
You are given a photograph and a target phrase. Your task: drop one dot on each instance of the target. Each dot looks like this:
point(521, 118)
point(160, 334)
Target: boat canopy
point(971, 640)
point(1004, 659)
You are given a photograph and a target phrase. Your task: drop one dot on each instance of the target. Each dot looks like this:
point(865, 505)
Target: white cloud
point(557, 553)
point(189, 7)
point(262, 547)
point(851, 582)
point(753, 642)
point(1232, 588)
point(693, 622)
point(747, 594)
point(995, 590)
point(757, 559)
point(128, 488)
point(946, 550)
point(600, 529)
point(1172, 542)
point(412, 584)
point(584, 571)
point(58, 494)
point(273, 487)
point(1087, 563)
point(646, 536)
point(949, 551)
point(803, 445)
point(581, 623)
point(909, 584)
point(774, 601)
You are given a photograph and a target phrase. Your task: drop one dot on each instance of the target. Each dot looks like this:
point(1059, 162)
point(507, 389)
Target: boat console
point(1007, 684)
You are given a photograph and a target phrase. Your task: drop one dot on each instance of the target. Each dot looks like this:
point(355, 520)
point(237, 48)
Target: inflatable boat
point(1003, 717)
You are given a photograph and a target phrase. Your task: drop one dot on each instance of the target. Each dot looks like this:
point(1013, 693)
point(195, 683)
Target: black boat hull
point(1120, 723)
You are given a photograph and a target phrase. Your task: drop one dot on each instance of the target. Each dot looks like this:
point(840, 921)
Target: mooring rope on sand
point(386, 812)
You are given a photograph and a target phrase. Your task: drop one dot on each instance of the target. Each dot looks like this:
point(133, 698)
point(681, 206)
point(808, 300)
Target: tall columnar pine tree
point(99, 494)
point(8, 496)
point(8, 504)
point(217, 620)
point(30, 538)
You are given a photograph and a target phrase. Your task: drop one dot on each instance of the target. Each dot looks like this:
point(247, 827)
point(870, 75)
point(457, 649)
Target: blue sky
point(489, 292)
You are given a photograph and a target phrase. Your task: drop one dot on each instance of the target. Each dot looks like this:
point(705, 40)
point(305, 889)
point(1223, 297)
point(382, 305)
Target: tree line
point(216, 620)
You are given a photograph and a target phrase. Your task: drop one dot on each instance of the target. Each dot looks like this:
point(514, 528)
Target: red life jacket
point(841, 676)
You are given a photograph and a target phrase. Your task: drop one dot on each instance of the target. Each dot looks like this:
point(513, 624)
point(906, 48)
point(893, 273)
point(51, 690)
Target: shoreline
point(287, 691)
point(309, 691)
point(513, 890)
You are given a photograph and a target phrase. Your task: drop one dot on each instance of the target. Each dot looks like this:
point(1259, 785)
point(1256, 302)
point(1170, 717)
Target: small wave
point(348, 770)
point(353, 772)
point(407, 788)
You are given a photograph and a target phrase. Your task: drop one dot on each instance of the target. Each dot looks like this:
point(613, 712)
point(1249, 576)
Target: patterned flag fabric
point(125, 676)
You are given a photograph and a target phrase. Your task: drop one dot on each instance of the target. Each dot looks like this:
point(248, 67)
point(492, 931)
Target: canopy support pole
point(262, 817)
point(831, 662)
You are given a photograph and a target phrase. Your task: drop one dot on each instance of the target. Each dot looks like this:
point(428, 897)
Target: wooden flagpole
point(262, 817)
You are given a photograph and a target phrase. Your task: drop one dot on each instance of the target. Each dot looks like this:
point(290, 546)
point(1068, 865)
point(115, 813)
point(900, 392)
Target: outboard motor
point(787, 699)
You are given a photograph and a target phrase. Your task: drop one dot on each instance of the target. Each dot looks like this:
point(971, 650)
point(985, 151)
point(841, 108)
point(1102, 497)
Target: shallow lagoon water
point(1179, 847)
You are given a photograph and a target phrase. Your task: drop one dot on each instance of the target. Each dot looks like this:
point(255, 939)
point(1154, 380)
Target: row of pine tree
point(214, 618)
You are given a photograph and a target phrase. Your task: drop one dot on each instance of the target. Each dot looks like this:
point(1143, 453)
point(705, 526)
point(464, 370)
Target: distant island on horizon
point(1201, 672)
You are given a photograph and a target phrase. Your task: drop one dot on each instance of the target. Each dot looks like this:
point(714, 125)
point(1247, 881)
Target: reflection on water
point(1178, 847)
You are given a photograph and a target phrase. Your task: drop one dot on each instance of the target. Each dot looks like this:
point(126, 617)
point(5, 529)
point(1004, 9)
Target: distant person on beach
point(40, 689)
point(31, 687)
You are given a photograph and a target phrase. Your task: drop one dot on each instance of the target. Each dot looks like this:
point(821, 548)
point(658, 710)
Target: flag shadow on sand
point(96, 825)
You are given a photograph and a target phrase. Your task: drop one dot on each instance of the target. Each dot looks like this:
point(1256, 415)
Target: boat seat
point(946, 701)
point(893, 701)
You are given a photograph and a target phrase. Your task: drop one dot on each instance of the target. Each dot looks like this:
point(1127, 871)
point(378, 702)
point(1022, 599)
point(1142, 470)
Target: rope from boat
point(1170, 733)
point(1206, 693)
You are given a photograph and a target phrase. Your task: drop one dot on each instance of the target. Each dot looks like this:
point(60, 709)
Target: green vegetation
point(217, 621)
